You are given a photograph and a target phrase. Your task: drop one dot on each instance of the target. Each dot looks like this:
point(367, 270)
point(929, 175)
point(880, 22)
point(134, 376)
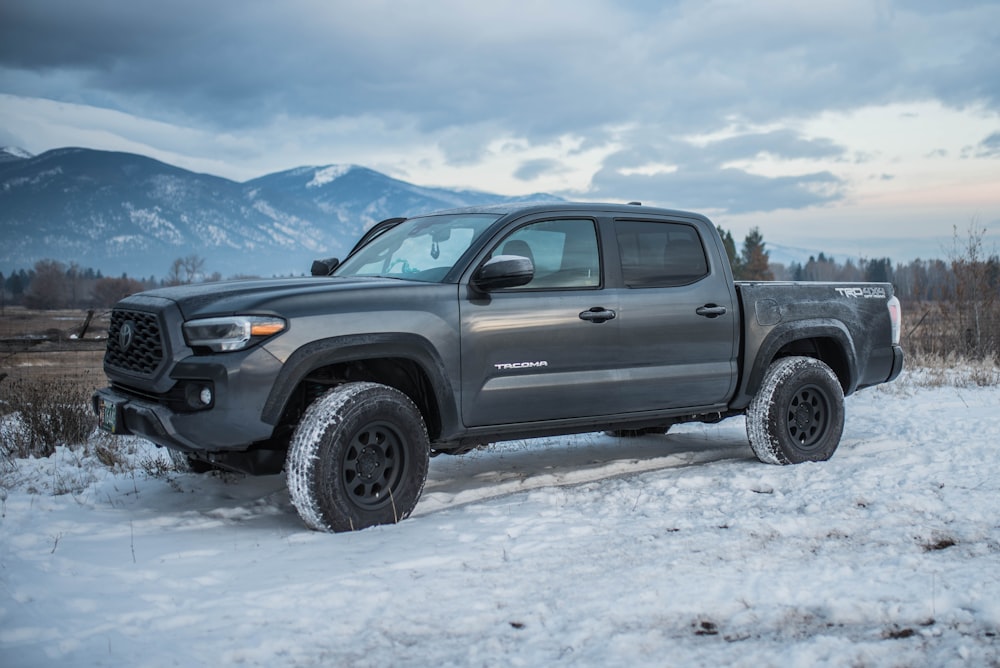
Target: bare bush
point(42, 413)
point(930, 330)
point(49, 288)
point(977, 306)
point(111, 454)
point(962, 320)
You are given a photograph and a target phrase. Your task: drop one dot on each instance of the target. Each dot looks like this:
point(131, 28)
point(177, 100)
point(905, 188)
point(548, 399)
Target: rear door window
point(660, 254)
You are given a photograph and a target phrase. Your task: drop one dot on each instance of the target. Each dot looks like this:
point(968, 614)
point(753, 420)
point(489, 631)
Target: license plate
point(108, 413)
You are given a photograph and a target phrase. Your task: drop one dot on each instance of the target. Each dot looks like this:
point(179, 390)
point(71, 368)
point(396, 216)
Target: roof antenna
point(635, 203)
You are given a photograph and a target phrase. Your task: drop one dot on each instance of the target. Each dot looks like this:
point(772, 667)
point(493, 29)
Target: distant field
point(39, 344)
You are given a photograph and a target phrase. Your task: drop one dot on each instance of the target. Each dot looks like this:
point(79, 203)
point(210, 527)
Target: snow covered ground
point(672, 550)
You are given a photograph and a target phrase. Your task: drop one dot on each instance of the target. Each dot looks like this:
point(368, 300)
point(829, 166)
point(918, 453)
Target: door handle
point(598, 314)
point(711, 310)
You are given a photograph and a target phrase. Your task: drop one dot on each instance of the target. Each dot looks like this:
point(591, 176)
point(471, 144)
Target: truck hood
point(264, 296)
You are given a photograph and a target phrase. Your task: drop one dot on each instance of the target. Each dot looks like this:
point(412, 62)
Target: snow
point(328, 174)
point(153, 224)
point(588, 550)
point(16, 152)
point(38, 178)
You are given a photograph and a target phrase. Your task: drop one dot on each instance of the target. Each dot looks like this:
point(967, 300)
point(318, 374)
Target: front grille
point(142, 351)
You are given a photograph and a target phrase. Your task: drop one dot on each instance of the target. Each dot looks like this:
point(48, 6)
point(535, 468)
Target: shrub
point(42, 413)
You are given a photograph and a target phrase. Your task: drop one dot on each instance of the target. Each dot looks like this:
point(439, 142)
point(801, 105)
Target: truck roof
point(508, 208)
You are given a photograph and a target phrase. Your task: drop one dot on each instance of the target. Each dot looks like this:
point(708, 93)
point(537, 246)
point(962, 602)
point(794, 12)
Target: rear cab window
point(657, 254)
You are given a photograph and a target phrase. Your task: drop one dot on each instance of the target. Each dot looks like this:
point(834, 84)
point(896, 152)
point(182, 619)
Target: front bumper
point(241, 384)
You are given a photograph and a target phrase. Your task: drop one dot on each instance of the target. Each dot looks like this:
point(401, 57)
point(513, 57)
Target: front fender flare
point(324, 352)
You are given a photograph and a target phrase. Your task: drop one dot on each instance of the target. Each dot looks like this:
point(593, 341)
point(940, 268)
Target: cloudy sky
point(869, 127)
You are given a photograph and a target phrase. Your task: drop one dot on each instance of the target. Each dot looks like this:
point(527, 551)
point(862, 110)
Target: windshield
point(418, 249)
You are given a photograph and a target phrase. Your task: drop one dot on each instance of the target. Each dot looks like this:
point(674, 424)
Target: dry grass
point(939, 330)
point(35, 346)
point(82, 367)
point(17, 321)
point(934, 370)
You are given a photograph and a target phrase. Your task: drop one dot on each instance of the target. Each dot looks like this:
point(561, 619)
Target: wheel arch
point(828, 341)
point(404, 361)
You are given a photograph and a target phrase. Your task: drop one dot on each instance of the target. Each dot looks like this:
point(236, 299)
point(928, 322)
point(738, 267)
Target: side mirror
point(324, 267)
point(503, 271)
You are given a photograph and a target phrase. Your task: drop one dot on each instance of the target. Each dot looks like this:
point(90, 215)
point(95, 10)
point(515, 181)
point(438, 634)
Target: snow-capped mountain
point(12, 153)
point(354, 197)
point(127, 213)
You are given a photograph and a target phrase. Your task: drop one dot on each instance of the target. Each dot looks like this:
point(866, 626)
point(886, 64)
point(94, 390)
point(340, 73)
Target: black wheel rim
point(808, 417)
point(373, 465)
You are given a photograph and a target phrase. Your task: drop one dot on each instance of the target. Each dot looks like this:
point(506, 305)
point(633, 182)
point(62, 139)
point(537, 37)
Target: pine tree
point(730, 245)
point(755, 258)
point(879, 270)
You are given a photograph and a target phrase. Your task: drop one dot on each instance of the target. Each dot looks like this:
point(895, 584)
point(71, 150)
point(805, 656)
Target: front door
point(545, 350)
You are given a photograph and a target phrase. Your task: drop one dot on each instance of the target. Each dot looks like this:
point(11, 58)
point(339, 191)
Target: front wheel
point(358, 458)
point(798, 413)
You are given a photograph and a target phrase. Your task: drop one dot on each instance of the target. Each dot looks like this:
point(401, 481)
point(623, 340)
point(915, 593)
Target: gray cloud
point(781, 143)
point(695, 176)
point(989, 147)
point(732, 190)
point(585, 62)
point(531, 169)
point(469, 72)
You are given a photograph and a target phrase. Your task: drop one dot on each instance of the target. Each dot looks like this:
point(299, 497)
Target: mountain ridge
point(126, 213)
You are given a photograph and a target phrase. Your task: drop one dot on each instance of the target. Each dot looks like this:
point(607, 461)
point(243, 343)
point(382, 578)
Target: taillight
point(896, 318)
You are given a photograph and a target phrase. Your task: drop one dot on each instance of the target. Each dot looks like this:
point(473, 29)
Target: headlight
point(231, 333)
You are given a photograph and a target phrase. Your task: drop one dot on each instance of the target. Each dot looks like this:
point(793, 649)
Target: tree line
point(967, 271)
point(955, 302)
point(753, 263)
point(958, 298)
point(51, 284)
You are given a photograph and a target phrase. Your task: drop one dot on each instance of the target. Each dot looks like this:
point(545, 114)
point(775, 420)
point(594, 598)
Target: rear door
point(677, 315)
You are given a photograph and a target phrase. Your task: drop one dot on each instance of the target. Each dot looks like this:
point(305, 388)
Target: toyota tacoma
point(443, 332)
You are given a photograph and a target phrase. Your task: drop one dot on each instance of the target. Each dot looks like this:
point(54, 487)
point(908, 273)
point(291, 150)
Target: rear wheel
point(798, 413)
point(358, 458)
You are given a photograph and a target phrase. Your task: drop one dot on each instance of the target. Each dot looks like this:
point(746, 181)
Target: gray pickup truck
point(444, 332)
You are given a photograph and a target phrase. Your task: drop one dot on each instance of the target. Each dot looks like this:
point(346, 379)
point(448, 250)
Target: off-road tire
point(798, 413)
point(358, 458)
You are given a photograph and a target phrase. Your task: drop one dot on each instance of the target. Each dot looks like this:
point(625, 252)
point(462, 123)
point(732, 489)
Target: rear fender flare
point(788, 333)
